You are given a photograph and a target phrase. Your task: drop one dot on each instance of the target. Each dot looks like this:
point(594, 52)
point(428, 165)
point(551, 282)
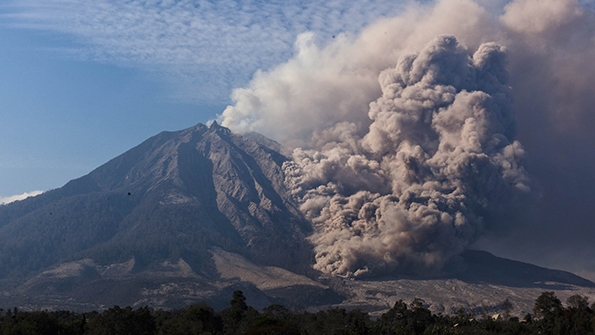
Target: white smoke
point(402, 167)
point(320, 87)
point(18, 197)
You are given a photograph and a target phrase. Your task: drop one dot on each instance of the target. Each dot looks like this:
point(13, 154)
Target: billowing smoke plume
point(404, 142)
point(438, 162)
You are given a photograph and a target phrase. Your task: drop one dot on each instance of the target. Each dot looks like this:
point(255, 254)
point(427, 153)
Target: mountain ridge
point(200, 174)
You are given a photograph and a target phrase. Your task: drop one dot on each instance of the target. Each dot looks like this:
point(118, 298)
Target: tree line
point(549, 316)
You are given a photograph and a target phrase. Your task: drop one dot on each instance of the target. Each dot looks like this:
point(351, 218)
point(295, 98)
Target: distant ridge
point(481, 266)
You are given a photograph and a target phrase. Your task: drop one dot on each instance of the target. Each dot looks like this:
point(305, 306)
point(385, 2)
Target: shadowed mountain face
point(481, 266)
point(174, 196)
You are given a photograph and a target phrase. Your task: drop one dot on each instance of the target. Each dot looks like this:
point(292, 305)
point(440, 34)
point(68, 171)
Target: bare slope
point(176, 195)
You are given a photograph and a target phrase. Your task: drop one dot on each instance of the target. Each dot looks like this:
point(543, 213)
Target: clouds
point(557, 38)
point(319, 100)
point(438, 166)
point(552, 75)
point(7, 200)
point(540, 17)
point(321, 86)
point(204, 47)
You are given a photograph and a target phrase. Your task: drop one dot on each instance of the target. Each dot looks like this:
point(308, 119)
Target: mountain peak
point(206, 185)
point(199, 127)
point(216, 128)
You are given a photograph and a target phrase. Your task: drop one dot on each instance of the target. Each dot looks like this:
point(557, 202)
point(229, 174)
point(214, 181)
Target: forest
point(549, 316)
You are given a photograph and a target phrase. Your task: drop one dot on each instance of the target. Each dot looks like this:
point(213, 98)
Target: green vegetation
point(549, 317)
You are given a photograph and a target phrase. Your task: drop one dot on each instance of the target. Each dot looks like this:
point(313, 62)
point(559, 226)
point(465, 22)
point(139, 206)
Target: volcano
point(191, 216)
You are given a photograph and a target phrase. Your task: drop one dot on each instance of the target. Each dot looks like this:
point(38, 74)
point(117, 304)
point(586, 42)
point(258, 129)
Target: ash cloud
point(438, 164)
point(406, 148)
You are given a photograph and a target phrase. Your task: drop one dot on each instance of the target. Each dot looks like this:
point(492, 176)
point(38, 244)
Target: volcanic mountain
point(177, 196)
point(192, 215)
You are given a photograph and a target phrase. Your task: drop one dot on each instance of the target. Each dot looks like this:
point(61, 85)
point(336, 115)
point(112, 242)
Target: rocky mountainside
point(193, 215)
point(176, 195)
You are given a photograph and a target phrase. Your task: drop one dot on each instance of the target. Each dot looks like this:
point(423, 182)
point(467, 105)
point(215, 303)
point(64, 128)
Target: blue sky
point(81, 82)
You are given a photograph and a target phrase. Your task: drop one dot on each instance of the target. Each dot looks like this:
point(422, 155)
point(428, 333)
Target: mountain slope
point(483, 267)
point(176, 195)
